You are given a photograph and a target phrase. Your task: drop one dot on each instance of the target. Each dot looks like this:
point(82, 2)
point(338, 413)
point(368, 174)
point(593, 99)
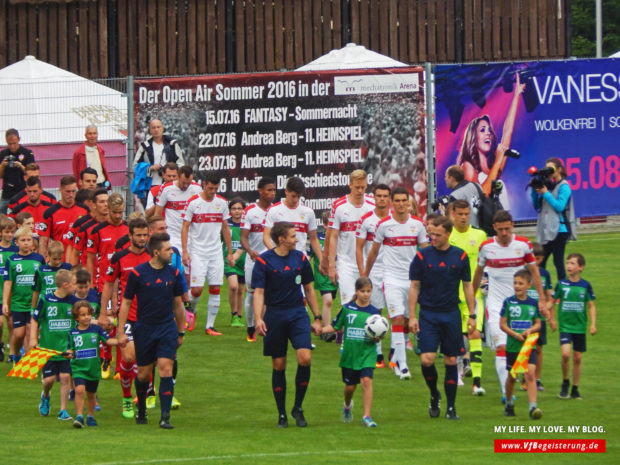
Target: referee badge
point(298, 279)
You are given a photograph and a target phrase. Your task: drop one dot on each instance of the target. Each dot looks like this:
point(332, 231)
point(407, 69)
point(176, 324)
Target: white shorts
point(377, 299)
point(495, 337)
point(346, 283)
point(211, 269)
point(247, 271)
point(396, 299)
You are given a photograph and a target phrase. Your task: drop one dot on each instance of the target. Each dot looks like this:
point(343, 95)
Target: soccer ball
point(376, 326)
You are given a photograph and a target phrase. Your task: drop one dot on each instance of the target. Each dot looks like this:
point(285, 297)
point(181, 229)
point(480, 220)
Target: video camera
point(540, 177)
point(11, 159)
point(444, 200)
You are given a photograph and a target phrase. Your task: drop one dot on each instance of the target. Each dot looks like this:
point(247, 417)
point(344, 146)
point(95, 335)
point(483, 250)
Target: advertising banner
point(564, 109)
point(316, 125)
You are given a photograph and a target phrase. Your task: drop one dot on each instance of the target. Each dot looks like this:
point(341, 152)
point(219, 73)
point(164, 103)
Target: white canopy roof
point(615, 55)
point(49, 105)
point(351, 56)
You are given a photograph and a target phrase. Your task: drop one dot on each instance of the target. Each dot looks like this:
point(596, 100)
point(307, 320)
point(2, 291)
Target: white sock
point(212, 308)
point(194, 301)
point(379, 348)
point(400, 354)
point(502, 373)
point(249, 309)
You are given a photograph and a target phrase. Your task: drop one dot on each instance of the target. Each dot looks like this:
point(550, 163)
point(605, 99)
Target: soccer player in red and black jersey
point(121, 264)
point(82, 228)
point(101, 240)
point(35, 204)
point(58, 219)
point(31, 171)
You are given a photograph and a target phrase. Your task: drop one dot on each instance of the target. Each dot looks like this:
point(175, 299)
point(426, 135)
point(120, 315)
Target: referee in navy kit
point(160, 324)
point(435, 275)
point(277, 279)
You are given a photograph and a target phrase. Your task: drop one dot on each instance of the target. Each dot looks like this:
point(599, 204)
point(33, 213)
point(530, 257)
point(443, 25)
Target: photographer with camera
point(552, 199)
point(463, 189)
point(13, 161)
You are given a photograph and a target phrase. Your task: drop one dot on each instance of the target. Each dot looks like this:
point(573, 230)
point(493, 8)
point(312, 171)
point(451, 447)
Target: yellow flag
point(31, 363)
point(520, 366)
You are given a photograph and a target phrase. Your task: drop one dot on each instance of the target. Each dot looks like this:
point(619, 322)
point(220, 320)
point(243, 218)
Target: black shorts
point(283, 325)
point(333, 293)
point(441, 328)
point(129, 329)
point(90, 385)
point(54, 368)
point(578, 340)
point(511, 358)
point(240, 277)
point(542, 334)
point(20, 319)
point(155, 341)
point(352, 377)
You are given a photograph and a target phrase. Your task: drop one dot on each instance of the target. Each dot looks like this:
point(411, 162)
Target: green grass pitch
point(228, 414)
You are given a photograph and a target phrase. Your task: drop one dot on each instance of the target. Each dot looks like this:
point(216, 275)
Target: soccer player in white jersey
point(252, 242)
point(399, 235)
point(291, 210)
point(502, 256)
point(364, 237)
point(172, 201)
point(204, 220)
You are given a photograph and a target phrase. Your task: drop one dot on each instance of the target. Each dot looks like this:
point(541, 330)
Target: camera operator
point(13, 161)
point(464, 190)
point(552, 199)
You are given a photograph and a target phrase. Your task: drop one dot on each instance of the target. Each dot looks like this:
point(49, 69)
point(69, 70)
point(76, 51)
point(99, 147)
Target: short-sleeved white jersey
point(252, 220)
point(302, 217)
point(399, 242)
point(205, 219)
point(346, 218)
point(366, 231)
point(501, 263)
point(174, 200)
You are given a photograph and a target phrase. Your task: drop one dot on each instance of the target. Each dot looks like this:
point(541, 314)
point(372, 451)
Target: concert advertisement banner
point(564, 109)
point(316, 125)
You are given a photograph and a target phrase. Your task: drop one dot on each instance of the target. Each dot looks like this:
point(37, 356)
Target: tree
point(583, 22)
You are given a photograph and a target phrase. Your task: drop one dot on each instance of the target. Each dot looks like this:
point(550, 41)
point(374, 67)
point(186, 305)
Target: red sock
point(127, 376)
point(117, 368)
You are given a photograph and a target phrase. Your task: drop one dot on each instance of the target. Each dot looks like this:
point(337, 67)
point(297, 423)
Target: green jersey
point(85, 345)
point(358, 350)
point(20, 270)
point(235, 236)
point(5, 253)
point(545, 279)
point(321, 282)
point(45, 278)
point(520, 316)
point(53, 314)
point(470, 241)
point(572, 310)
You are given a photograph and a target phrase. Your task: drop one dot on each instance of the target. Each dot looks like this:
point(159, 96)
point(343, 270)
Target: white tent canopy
point(615, 55)
point(49, 105)
point(351, 56)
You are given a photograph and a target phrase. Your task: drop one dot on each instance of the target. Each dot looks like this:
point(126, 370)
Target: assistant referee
point(436, 273)
point(160, 323)
point(280, 314)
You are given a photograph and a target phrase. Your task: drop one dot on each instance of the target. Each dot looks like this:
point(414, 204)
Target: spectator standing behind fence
point(556, 216)
point(90, 155)
point(157, 150)
point(13, 161)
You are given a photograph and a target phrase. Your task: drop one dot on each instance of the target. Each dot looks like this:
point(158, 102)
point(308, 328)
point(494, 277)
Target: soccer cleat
point(151, 402)
point(44, 405)
point(249, 338)
point(347, 413)
point(451, 414)
point(466, 370)
point(504, 399)
point(394, 367)
point(97, 406)
point(367, 421)
point(434, 407)
point(535, 413)
point(460, 380)
point(564, 392)
point(574, 394)
point(380, 364)
point(117, 376)
point(190, 320)
point(164, 422)
point(141, 419)
point(539, 385)
point(9, 359)
point(237, 322)
point(78, 422)
point(212, 332)
point(127, 407)
point(63, 415)
point(478, 391)
point(1, 351)
point(298, 415)
point(404, 374)
point(105, 369)
point(282, 421)
point(409, 345)
point(509, 411)
point(175, 404)
point(90, 421)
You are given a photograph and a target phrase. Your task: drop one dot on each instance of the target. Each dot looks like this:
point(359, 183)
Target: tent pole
point(430, 134)
point(130, 143)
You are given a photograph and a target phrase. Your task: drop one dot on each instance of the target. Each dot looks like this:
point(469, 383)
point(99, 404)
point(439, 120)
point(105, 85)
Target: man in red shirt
point(90, 155)
point(59, 218)
point(35, 204)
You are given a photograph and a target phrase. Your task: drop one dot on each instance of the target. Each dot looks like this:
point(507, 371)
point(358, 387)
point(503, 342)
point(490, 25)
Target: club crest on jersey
point(89, 243)
point(110, 271)
point(298, 279)
point(93, 339)
point(43, 226)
